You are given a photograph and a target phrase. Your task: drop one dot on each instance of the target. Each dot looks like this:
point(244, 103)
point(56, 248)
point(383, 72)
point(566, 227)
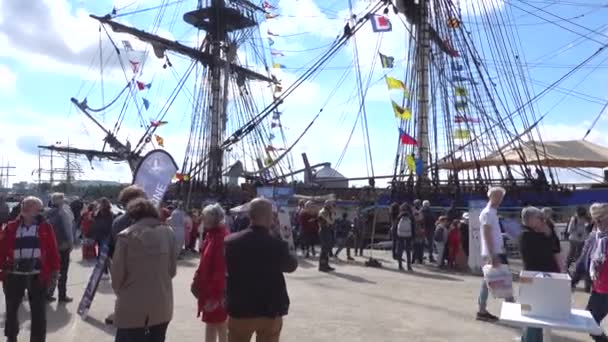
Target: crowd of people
point(239, 286)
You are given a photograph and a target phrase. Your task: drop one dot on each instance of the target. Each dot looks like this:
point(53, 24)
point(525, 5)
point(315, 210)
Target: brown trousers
point(266, 329)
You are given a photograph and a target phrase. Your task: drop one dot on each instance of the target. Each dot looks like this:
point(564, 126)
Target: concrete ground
point(356, 303)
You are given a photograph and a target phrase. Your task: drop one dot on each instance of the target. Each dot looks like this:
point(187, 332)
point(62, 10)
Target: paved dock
point(356, 303)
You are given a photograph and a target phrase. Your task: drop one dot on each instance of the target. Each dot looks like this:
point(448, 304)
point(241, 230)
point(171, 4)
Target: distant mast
point(422, 63)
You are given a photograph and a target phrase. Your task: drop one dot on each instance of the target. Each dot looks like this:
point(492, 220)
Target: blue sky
point(51, 54)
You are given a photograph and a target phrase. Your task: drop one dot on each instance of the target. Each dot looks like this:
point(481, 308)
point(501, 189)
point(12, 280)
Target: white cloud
point(8, 80)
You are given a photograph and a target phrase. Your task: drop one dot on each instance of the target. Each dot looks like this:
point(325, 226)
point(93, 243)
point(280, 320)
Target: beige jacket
point(143, 266)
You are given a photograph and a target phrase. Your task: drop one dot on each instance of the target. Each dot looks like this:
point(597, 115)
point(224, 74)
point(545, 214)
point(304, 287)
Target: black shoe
point(350, 259)
point(65, 299)
point(109, 320)
point(486, 317)
point(410, 269)
point(401, 268)
point(50, 299)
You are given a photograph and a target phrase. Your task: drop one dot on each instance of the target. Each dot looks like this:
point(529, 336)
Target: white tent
point(562, 154)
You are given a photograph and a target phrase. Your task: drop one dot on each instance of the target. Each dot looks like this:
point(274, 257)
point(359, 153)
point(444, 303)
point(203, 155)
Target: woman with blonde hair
point(597, 259)
point(209, 283)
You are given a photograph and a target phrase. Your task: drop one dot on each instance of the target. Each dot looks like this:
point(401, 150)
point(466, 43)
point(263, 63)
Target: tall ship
point(459, 114)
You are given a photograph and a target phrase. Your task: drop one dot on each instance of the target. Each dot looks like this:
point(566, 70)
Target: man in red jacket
point(28, 260)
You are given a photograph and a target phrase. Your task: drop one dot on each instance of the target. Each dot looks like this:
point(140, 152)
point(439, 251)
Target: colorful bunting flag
point(146, 103)
point(268, 5)
point(142, 85)
point(276, 52)
point(278, 88)
point(272, 34)
point(453, 23)
point(276, 115)
point(406, 139)
point(458, 78)
point(411, 163)
point(401, 112)
point(460, 91)
point(449, 49)
point(271, 148)
point(465, 119)
point(381, 23)
point(160, 141)
point(275, 124)
point(278, 66)
point(462, 134)
point(457, 66)
point(127, 45)
point(419, 167)
point(387, 62)
point(271, 136)
point(156, 123)
point(460, 105)
point(182, 177)
point(394, 83)
point(134, 66)
point(268, 160)
point(271, 15)
point(270, 41)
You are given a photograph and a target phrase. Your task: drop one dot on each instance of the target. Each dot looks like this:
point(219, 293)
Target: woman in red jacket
point(454, 246)
point(209, 282)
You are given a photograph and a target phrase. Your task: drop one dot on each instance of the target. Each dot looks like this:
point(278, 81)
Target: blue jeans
point(598, 306)
point(482, 300)
point(532, 335)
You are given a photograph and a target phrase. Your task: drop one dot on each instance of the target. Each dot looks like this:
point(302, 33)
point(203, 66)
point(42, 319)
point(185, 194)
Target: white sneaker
point(105, 276)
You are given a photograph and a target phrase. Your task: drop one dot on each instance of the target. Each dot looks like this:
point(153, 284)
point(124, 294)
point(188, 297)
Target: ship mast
point(217, 53)
point(217, 38)
point(422, 128)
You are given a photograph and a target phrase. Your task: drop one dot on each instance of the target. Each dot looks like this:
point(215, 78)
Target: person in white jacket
point(177, 221)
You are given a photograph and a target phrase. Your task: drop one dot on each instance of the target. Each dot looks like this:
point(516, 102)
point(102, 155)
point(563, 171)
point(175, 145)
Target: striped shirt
point(27, 250)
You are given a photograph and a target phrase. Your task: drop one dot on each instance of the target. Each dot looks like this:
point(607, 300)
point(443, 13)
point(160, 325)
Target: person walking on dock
point(28, 260)
point(326, 235)
point(60, 217)
point(492, 247)
point(256, 295)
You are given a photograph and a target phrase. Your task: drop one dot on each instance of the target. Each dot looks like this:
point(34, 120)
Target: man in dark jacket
point(256, 259)
point(59, 216)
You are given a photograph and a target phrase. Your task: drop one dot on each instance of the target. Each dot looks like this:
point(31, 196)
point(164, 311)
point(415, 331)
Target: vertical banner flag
point(153, 174)
point(381, 23)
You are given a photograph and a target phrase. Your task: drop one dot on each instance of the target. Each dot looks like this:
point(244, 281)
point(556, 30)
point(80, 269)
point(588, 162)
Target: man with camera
point(28, 261)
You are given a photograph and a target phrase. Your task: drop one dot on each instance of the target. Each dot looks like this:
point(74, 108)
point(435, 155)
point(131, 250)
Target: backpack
point(404, 227)
point(438, 236)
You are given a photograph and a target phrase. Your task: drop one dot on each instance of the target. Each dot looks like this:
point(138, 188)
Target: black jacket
point(537, 251)
point(255, 262)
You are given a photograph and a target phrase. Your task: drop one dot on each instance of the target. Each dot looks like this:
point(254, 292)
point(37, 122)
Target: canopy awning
point(561, 154)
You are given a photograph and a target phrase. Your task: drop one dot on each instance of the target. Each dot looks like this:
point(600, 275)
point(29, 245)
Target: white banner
point(154, 174)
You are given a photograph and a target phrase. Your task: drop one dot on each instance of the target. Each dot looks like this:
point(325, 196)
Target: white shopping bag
point(499, 281)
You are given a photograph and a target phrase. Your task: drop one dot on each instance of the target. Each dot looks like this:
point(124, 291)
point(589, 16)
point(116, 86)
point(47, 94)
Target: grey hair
point(215, 212)
point(57, 197)
point(426, 203)
point(547, 211)
point(528, 213)
point(31, 200)
point(599, 211)
point(496, 189)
